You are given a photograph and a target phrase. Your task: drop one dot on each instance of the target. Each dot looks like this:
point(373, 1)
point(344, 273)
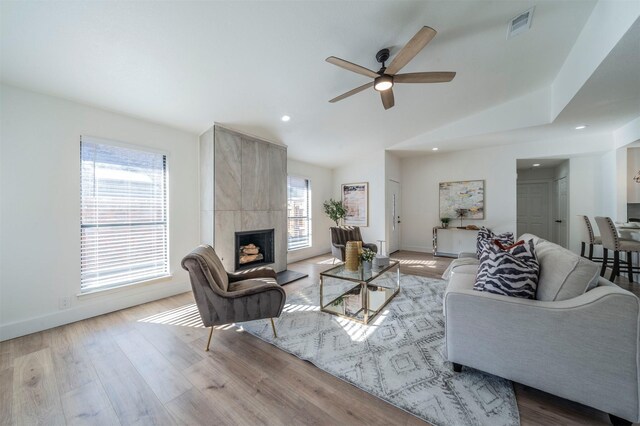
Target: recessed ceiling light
point(536, 165)
point(285, 118)
point(434, 149)
point(580, 127)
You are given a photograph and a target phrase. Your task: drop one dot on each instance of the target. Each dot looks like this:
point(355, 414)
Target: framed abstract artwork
point(355, 199)
point(467, 196)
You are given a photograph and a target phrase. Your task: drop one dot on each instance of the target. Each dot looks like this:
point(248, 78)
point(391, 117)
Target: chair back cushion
point(211, 266)
point(588, 234)
point(608, 233)
point(563, 274)
point(342, 234)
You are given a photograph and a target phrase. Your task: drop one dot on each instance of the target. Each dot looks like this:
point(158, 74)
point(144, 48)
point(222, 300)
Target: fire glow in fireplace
point(254, 248)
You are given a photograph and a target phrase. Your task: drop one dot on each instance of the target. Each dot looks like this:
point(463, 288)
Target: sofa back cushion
point(563, 274)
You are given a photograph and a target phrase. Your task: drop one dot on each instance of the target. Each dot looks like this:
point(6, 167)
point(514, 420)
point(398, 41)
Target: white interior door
point(534, 210)
point(393, 213)
point(561, 206)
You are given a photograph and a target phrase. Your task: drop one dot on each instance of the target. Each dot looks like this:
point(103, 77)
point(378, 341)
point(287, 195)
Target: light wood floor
point(146, 365)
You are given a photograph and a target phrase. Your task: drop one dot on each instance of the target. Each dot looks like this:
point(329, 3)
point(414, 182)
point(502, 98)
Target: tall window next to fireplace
point(298, 213)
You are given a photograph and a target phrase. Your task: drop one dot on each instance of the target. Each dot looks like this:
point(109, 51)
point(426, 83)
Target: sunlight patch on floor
point(288, 307)
point(327, 262)
point(360, 332)
point(184, 316)
point(432, 264)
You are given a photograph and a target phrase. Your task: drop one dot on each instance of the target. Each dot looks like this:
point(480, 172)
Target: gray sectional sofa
point(579, 339)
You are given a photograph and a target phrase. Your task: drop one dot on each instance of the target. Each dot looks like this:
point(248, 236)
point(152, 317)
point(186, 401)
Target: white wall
point(633, 165)
point(369, 167)
point(421, 176)
point(321, 190)
point(40, 210)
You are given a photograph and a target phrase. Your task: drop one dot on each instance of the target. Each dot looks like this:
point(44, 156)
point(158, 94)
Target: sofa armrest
point(250, 274)
point(584, 349)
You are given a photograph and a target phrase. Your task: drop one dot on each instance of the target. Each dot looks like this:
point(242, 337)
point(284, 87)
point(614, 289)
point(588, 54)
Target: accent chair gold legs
point(209, 341)
point(273, 326)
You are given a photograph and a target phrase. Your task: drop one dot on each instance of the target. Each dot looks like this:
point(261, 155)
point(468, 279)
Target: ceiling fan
point(386, 77)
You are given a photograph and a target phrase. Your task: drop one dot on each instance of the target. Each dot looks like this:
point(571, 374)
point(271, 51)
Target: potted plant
point(445, 222)
point(335, 210)
point(367, 257)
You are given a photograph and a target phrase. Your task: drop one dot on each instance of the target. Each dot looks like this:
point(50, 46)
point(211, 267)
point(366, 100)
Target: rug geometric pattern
point(398, 357)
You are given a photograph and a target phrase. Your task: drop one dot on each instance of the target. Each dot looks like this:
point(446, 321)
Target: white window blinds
point(123, 219)
point(298, 213)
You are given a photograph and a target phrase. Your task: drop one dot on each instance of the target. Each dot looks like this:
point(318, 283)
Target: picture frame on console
point(355, 199)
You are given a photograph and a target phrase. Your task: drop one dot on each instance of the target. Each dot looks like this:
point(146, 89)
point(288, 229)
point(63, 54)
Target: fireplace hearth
point(254, 248)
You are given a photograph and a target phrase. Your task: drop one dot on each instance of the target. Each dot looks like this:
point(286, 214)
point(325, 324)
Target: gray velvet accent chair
point(225, 298)
point(589, 237)
point(612, 241)
point(340, 235)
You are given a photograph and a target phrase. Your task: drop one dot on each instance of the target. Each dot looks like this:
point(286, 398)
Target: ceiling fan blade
point(351, 92)
point(411, 49)
point(424, 77)
point(387, 98)
point(352, 67)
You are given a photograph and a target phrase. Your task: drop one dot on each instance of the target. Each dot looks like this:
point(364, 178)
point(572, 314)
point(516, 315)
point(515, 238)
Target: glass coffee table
point(358, 295)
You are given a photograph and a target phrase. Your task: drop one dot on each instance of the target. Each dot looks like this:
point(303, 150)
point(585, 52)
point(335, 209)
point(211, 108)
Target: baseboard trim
point(97, 306)
point(421, 249)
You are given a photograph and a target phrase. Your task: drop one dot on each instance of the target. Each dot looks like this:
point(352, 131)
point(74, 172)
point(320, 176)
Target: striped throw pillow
point(486, 238)
point(509, 270)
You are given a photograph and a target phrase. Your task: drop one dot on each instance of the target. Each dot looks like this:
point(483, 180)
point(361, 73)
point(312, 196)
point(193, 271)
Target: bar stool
point(612, 241)
point(593, 239)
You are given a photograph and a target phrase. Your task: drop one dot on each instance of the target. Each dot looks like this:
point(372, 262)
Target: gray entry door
point(534, 209)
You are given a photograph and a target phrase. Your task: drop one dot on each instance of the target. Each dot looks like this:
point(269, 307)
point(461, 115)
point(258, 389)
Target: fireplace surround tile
point(247, 179)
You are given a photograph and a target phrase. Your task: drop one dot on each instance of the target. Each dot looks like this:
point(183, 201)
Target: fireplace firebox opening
point(254, 248)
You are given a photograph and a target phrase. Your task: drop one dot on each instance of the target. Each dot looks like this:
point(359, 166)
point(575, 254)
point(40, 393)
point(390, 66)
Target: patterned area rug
point(398, 357)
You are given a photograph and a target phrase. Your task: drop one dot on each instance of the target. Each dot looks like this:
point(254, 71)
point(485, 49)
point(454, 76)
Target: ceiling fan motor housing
point(382, 56)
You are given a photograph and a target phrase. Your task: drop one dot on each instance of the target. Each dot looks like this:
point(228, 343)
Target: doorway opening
point(543, 199)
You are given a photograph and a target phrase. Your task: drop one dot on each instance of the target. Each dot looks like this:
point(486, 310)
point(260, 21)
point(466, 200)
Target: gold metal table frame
point(364, 289)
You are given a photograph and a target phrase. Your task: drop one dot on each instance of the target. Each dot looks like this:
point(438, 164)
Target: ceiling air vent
point(520, 23)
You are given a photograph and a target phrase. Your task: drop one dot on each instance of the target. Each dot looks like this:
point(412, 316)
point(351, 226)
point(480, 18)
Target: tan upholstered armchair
point(339, 237)
point(224, 298)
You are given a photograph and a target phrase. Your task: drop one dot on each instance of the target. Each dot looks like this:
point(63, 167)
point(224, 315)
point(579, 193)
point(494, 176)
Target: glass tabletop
point(360, 275)
point(350, 304)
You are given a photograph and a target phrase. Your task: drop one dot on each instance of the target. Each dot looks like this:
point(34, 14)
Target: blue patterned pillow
point(509, 271)
point(486, 237)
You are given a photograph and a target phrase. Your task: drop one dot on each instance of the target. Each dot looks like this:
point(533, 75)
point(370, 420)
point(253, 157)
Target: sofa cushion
point(486, 237)
point(563, 274)
point(509, 271)
point(464, 265)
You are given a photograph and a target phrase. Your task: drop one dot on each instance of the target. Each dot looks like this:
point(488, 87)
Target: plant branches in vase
point(335, 210)
point(461, 213)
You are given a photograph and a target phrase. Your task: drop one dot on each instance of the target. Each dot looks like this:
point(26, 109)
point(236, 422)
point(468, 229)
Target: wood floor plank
point(131, 397)
point(36, 398)
point(73, 367)
point(163, 378)
point(88, 405)
point(193, 408)
point(175, 350)
point(6, 397)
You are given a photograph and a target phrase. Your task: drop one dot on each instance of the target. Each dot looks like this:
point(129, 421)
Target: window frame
point(167, 164)
point(309, 216)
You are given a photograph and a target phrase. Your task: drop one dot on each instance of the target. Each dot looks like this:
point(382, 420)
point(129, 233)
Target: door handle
point(558, 221)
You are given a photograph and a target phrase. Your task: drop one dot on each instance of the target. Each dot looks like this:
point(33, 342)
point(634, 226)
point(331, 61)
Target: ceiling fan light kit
point(386, 77)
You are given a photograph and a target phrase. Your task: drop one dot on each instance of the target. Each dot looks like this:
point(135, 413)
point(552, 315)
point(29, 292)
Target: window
point(123, 217)
point(298, 212)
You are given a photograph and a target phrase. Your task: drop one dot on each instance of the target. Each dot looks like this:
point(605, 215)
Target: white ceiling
point(609, 99)
point(245, 64)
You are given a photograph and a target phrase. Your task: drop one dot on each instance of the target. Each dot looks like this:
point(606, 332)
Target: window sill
point(101, 291)
point(298, 249)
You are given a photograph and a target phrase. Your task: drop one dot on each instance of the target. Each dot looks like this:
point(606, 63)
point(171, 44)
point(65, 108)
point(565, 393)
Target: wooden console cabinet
point(449, 242)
